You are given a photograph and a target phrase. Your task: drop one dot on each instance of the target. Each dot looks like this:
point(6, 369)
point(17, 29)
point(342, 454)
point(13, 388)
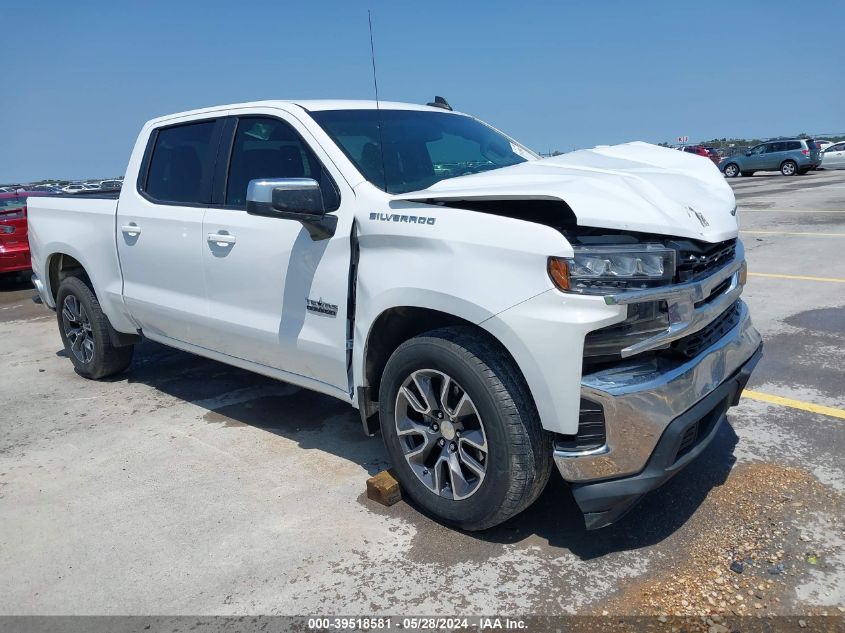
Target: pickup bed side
point(68, 233)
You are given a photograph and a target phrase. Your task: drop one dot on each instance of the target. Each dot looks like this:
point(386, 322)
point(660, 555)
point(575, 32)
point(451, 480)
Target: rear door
point(159, 230)
point(276, 296)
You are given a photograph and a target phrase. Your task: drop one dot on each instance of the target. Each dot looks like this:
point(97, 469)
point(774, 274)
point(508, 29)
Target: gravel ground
point(189, 487)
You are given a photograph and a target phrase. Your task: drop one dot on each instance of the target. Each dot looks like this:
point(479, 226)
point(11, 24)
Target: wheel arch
point(392, 327)
point(61, 265)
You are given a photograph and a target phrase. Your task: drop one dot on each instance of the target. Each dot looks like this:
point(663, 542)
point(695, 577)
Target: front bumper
point(650, 406)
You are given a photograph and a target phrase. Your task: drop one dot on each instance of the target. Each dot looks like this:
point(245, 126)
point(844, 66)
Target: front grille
point(693, 263)
point(692, 345)
point(591, 430)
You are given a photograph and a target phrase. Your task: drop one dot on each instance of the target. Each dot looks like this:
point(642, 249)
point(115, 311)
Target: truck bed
point(82, 227)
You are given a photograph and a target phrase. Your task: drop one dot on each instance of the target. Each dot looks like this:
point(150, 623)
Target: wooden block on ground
point(383, 488)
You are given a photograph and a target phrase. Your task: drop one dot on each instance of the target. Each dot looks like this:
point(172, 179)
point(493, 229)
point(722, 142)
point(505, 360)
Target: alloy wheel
point(441, 434)
point(77, 328)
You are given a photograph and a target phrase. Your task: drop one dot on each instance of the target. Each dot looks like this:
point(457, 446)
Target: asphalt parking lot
point(188, 487)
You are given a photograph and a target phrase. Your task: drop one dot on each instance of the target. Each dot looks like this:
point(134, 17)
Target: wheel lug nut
point(457, 433)
point(439, 415)
point(435, 426)
point(453, 447)
point(441, 442)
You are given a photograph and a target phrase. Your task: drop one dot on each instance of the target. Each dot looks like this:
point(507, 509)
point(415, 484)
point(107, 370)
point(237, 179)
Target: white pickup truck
point(494, 313)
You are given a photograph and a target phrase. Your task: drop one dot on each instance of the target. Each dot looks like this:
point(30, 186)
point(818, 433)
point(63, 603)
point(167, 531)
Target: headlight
point(594, 269)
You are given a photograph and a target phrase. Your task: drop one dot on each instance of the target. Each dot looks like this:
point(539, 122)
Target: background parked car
point(73, 188)
point(705, 152)
point(695, 149)
point(789, 156)
point(823, 145)
point(834, 156)
point(14, 243)
point(111, 185)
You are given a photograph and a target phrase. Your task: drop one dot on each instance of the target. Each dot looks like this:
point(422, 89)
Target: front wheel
point(84, 330)
point(731, 170)
point(788, 168)
point(461, 429)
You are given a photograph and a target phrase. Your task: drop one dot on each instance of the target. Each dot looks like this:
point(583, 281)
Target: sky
point(80, 78)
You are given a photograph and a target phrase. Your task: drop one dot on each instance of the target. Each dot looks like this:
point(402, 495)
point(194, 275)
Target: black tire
point(106, 359)
point(731, 170)
point(747, 174)
point(519, 458)
point(789, 168)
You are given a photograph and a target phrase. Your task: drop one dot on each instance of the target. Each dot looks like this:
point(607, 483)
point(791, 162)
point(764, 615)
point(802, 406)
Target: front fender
point(468, 264)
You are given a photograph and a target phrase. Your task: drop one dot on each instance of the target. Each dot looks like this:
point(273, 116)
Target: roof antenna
point(378, 108)
point(440, 102)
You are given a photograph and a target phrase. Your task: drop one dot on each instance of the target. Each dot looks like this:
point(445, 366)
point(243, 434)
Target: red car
point(14, 244)
point(706, 152)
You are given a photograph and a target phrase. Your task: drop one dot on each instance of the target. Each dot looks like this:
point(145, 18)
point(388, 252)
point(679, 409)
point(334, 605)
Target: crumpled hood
point(633, 187)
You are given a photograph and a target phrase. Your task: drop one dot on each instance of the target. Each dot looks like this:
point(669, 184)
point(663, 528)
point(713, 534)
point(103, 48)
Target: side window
point(181, 161)
point(265, 147)
point(771, 148)
point(759, 149)
point(791, 145)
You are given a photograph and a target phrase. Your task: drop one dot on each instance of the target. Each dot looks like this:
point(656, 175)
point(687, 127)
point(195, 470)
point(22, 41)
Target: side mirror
point(291, 199)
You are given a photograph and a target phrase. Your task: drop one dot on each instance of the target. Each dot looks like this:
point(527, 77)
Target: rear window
point(180, 163)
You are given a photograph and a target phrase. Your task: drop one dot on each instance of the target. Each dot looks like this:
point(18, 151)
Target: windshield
point(420, 148)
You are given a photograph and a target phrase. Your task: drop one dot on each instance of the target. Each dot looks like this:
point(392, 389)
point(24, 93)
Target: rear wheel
point(788, 168)
point(84, 329)
point(461, 429)
point(731, 170)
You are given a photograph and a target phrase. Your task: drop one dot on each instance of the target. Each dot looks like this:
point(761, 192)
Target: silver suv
point(788, 156)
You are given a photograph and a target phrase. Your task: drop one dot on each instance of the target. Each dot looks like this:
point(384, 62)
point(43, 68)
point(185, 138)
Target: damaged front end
point(656, 386)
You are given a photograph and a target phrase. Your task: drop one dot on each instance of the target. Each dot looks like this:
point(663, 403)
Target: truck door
point(159, 230)
point(276, 296)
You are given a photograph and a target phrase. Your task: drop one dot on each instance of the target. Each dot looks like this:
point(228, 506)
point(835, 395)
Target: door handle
point(131, 229)
point(221, 239)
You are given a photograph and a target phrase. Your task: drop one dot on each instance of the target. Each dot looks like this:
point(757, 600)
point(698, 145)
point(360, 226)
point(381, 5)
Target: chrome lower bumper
point(641, 398)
